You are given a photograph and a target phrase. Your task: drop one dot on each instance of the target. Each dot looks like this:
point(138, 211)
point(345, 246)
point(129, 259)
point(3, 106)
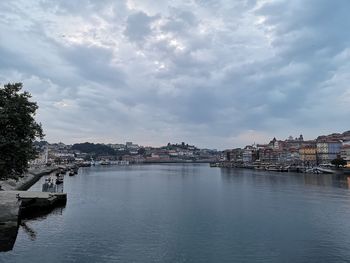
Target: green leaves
point(18, 130)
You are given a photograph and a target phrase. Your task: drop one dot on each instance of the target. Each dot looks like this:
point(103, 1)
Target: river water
point(191, 213)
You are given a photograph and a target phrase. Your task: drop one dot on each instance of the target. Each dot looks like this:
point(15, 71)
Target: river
point(191, 213)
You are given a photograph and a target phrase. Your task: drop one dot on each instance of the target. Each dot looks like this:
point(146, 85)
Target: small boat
point(85, 164)
point(59, 181)
point(75, 170)
point(273, 168)
point(71, 173)
point(105, 162)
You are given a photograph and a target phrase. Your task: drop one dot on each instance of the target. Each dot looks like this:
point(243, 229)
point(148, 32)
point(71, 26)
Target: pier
point(17, 205)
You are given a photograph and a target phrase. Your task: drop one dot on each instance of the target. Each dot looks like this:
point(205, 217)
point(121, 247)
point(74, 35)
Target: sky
point(214, 73)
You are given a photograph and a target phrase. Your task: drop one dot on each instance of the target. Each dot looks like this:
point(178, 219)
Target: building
point(334, 148)
point(268, 155)
point(234, 155)
point(322, 152)
point(308, 154)
point(345, 153)
point(328, 150)
point(247, 155)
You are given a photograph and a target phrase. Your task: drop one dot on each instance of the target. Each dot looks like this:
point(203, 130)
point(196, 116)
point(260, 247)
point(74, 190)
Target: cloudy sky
point(215, 73)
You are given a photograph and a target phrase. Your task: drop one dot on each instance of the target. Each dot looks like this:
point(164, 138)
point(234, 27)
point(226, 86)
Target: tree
point(94, 149)
point(338, 162)
point(18, 130)
point(141, 151)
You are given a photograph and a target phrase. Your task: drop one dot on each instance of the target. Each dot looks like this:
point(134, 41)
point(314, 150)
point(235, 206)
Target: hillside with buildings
point(294, 151)
point(129, 152)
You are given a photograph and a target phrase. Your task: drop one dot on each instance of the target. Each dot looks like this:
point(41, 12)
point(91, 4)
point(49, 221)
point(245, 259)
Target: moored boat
point(59, 180)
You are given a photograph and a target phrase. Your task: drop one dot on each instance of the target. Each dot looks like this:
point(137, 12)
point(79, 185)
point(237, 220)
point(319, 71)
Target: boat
point(59, 180)
point(273, 168)
point(105, 162)
point(71, 173)
point(320, 170)
point(75, 169)
point(85, 164)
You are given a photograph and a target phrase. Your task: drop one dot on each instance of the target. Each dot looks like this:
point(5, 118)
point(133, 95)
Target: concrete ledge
point(37, 174)
point(15, 205)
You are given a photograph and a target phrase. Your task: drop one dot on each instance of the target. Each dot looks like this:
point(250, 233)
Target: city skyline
point(216, 74)
point(341, 137)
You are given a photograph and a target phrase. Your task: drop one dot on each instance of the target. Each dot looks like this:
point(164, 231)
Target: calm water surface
point(191, 213)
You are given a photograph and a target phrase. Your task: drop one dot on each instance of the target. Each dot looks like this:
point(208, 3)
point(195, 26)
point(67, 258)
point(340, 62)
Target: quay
point(283, 168)
point(25, 181)
point(17, 205)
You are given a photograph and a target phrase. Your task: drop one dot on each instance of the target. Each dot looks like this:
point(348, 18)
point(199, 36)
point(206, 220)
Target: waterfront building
point(322, 152)
point(308, 154)
point(328, 150)
point(247, 155)
point(294, 155)
point(268, 155)
point(345, 153)
point(235, 155)
point(275, 144)
point(334, 148)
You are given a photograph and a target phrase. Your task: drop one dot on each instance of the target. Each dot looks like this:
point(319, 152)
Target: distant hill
point(94, 149)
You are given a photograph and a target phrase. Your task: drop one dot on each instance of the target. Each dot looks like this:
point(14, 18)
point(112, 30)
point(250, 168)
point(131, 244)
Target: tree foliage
point(94, 149)
point(18, 130)
point(338, 162)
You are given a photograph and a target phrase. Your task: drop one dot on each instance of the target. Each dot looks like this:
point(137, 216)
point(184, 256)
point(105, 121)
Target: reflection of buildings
point(324, 180)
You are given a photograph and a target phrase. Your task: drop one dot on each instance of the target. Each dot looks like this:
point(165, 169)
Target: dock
point(17, 205)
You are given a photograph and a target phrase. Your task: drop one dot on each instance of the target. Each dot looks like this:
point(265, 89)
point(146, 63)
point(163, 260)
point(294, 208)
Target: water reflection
point(9, 231)
point(8, 235)
point(29, 231)
point(192, 213)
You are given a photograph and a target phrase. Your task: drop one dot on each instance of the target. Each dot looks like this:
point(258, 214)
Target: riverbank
point(25, 181)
